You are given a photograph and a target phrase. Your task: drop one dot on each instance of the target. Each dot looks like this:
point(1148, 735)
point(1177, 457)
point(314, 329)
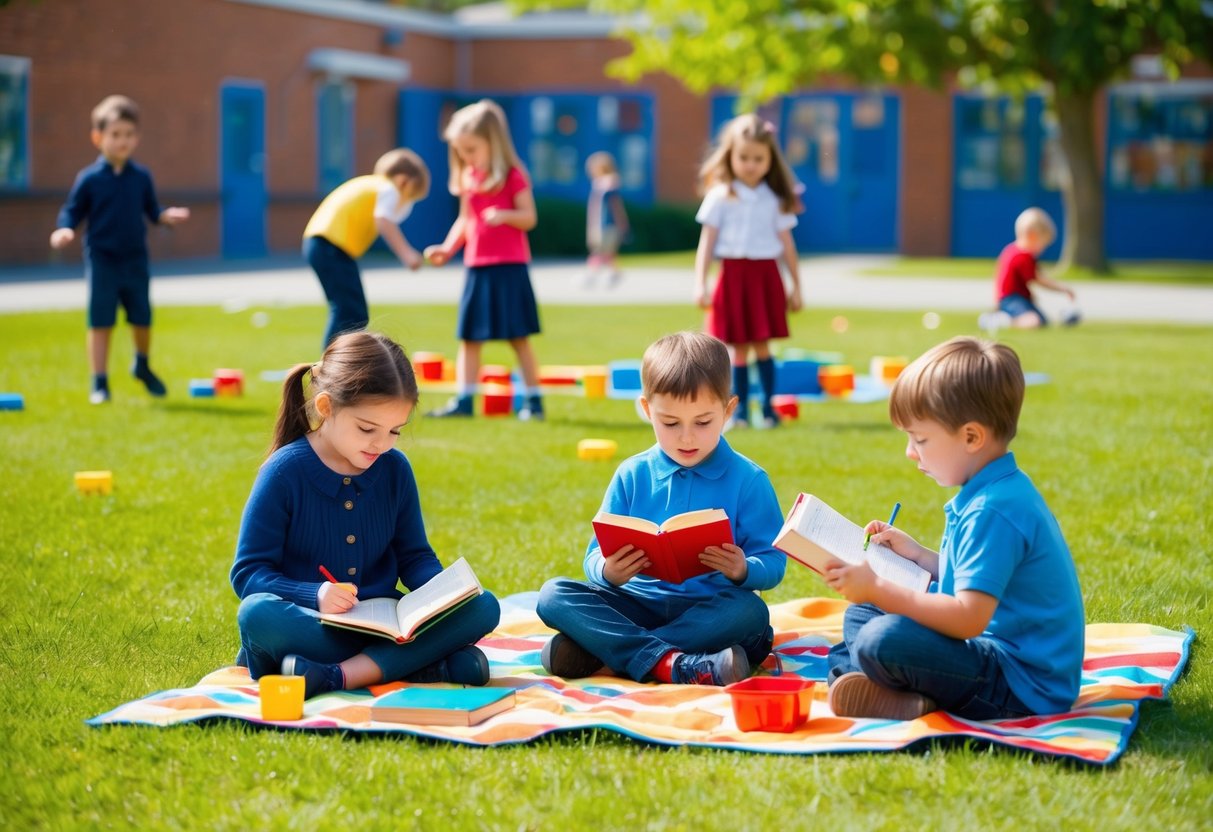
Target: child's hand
point(436, 255)
point(62, 237)
point(336, 597)
point(728, 560)
point(855, 583)
point(173, 216)
point(795, 301)
point(894, 538)
point(492, 216)
point(624, 565)
point(412, 259)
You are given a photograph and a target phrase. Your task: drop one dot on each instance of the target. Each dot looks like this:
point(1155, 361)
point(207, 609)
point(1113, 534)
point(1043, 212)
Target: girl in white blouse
point(747, 215)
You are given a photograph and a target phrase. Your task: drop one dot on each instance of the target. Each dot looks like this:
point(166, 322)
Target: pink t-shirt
point(488, 245)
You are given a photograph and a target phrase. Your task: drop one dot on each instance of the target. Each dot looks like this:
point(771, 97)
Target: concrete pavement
point(829, 282)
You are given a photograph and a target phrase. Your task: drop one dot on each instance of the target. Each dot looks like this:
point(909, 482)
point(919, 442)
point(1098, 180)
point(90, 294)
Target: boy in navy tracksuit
point(114, 195)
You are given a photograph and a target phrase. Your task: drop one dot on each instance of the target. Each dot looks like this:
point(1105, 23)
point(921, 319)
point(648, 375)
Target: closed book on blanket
point(673, 547)
point(814, 533)
point(437, 706)
point(401, 620)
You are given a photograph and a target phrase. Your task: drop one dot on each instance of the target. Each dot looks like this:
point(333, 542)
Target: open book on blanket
point(673, 548)
point(814, 533)
point(401, 620)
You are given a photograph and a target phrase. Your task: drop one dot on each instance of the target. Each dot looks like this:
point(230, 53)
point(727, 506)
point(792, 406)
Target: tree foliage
point(1069, 48)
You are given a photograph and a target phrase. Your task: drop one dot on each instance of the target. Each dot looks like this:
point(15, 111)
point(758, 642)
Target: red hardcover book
point(673, 547)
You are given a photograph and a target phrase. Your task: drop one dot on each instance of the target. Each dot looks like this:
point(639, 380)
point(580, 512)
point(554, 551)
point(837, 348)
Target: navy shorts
point(1016, 305)
point(114, 281)
point(498, 304)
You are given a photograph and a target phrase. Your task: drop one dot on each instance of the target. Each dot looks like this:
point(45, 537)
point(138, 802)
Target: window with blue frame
point(14, 122)
point(335, 132)
point(1161, 140)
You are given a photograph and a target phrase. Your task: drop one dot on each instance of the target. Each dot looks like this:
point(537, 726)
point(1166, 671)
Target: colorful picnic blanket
point(1125, 663)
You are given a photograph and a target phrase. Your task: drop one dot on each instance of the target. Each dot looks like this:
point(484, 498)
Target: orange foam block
point(837, 379)
point(886, 368)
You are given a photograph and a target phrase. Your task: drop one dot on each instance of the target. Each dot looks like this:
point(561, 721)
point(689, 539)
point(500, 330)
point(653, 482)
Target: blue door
point(1007, 159)
point(843, 147)
point(421, 117)
point(242, 169)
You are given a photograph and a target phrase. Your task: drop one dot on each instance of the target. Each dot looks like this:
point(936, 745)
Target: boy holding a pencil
point(1001, 634)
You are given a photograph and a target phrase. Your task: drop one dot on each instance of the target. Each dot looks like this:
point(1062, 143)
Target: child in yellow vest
point(347, 223)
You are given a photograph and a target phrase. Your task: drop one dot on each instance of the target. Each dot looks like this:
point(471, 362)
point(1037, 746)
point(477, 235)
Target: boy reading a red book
point(712, 628)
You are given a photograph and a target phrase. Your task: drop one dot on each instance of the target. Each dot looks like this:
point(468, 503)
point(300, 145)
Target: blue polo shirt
point(115, 205)
point(1001, 539)
point(301, 514)
point(655, 487)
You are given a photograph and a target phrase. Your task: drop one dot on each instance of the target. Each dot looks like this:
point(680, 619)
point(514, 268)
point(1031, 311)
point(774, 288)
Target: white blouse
point(748, 221)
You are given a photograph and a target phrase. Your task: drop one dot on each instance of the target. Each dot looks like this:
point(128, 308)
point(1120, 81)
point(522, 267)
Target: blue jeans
point(342, 284)
point(631, 634)
point(962, 676)
point(272, 628)
point(1016, 305)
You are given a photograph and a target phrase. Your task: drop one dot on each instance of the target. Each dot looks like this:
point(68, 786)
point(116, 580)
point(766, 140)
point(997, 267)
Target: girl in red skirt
point(747, 215)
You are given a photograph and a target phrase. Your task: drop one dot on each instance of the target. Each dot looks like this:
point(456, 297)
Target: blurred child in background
point(747, 215)
point(346, 224)
point(1017, 270)
point(606, 219)
point(496, 209)
point(114, 195)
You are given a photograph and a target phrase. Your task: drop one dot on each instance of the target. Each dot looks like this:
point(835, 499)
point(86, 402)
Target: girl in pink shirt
point(496, 209)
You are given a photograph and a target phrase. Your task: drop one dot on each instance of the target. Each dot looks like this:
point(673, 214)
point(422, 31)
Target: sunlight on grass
point(111, 598)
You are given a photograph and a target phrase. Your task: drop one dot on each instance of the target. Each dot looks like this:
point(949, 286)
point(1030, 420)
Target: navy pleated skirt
point(498, 304)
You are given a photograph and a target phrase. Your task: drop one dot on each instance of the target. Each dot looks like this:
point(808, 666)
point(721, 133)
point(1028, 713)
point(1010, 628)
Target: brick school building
point(252, 110)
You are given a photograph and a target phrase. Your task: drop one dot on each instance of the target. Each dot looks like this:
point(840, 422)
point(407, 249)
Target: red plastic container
point(428, 365)
point(229, 382)
point(771, 703)
point(497, 400)
point(786, 406)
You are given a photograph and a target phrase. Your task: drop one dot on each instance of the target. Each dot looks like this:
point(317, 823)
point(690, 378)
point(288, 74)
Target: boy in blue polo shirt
point(1002, 634)
point(114, 195)
point(710, 629)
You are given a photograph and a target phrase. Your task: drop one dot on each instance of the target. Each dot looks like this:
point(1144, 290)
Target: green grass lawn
point(1182, 272)
point(110, 598)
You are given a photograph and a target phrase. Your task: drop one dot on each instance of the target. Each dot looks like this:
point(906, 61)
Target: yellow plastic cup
point(281, 697)
point(594, 380)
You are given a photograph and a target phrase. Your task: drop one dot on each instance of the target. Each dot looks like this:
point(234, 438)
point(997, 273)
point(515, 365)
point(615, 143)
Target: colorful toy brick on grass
point(95, 482)
point(202, 388)
point(494, 374)
point(594, 382)
point(229, 382)
point(886, 368)
point(787, 407)
point(428, 365)
point(596, 449)
point(837, 380)
point(12, 401)
point(496, 399)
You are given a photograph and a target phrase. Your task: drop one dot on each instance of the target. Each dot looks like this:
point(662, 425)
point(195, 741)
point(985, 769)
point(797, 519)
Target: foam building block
point(596, 449)
point(494, 374)
point(95, 482)
point(623, 379)
point(12, 401)
point(886, 368)
point(202, 388)
point(786, 406)
point(428, 365)
point(497, 399)
point(229, 382)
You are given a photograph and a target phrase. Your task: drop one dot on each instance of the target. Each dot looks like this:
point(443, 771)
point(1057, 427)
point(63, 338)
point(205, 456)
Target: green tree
point(1070, 49)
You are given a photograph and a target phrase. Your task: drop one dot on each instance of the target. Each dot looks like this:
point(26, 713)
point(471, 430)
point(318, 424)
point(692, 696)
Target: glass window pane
point(14, 114)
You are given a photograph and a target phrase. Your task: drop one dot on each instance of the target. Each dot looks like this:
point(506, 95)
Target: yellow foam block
point(886, 368)
point(594, 380)
point(596, 448)
point(95, 482)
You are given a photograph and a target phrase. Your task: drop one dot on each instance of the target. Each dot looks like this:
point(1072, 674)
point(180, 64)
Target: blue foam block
point(12, 401)
point(202, 388)
point(623, 379)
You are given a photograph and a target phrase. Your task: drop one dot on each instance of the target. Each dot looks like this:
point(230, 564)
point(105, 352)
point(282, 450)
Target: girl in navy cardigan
point(335, 493)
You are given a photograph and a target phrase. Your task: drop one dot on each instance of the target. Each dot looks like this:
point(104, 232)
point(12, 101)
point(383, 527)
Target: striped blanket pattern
point(1125, 664)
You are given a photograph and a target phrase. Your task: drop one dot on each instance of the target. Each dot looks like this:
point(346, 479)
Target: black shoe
point(724, 668)
point(532, 410)
point(562, 656)
point(458, 406)
point(466, 666)
point(317, 678)
point(150, 380)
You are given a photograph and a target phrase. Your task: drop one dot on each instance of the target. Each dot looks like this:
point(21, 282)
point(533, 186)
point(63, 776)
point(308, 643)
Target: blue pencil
point(867, 538)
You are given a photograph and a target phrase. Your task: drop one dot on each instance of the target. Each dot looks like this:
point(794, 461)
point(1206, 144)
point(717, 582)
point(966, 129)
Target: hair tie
point(769, 127)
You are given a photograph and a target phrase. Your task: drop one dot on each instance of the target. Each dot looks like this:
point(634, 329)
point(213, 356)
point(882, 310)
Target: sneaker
point(466, 666)
point(531, 410)
point(99, 396)
point(317, 678)
point(562, 656)
point(991, 322)
point(458, 406)
point(150, 380)
point(724, 668)
point(854, 694)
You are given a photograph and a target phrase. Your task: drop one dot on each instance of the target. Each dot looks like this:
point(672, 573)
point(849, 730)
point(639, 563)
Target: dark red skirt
point(749, 304)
